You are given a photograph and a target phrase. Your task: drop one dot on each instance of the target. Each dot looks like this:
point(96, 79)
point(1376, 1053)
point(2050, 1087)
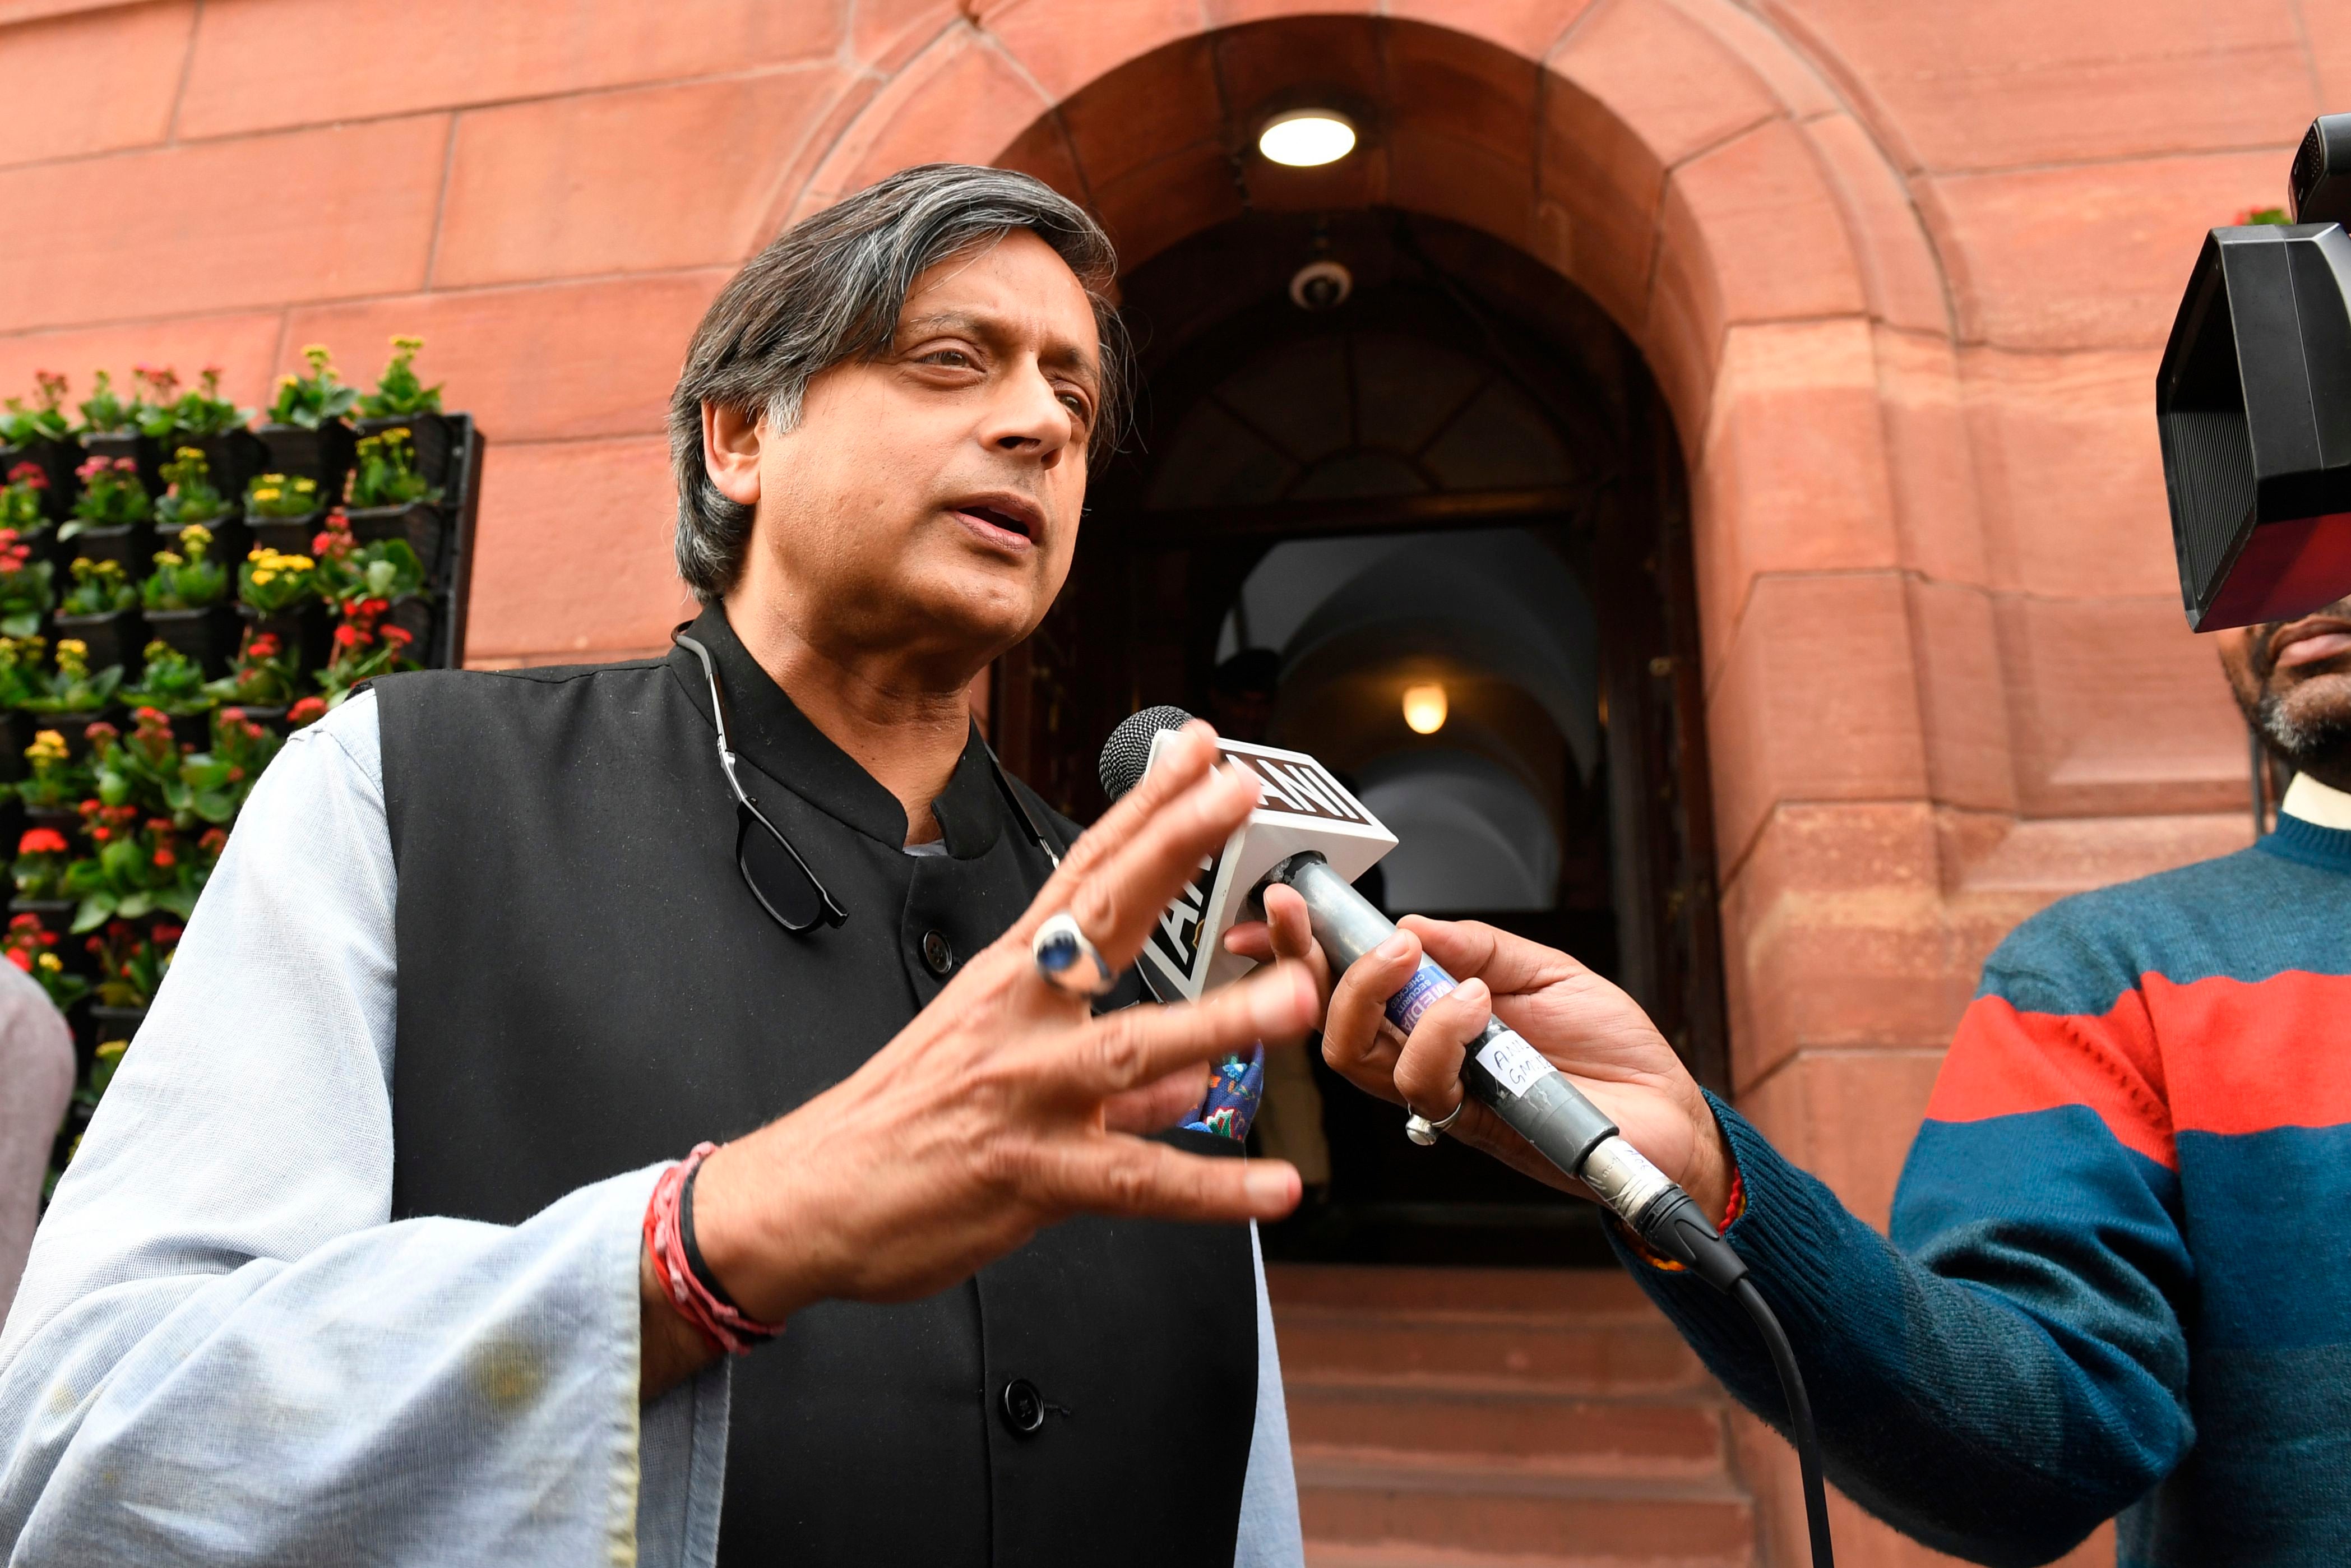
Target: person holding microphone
point(680, 1111)
point(2115, 1283)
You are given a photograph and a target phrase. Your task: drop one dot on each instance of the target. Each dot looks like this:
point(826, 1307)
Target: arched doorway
point(1460, 476)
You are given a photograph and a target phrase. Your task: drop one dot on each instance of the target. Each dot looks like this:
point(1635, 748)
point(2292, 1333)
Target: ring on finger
point(1423, 1131)
point(1069, 960)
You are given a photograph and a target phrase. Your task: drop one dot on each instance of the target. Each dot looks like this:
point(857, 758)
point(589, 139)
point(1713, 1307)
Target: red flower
point(167, 934)
point(309, 710)
point(21, 958)
point(349, 636)
point(399, 636)
point(29, 473)
point(213, 842)
point(237, 715)
point(24, 923)
point(262, 646)
point(166, 860)
point(41, 842)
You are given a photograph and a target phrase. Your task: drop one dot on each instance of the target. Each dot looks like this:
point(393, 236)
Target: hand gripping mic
point(1311, 834)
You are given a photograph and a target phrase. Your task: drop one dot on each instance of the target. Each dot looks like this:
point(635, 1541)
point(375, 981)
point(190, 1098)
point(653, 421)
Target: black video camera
point(2253, 402)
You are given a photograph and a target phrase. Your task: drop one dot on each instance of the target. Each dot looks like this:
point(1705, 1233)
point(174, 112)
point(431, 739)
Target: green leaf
point(95, 910)
point(135, 905)
point(180, 901)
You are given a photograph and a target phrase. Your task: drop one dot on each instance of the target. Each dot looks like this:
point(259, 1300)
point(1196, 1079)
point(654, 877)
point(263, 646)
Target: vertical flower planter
point(421, 523)
point(303, 629)
point(207, 636)
point(144, 450)
point(430, 435)
point(131, 544)
point(234, 457)
point(113, 1023)
point(324, 453)
point(114, 639)
point(17, 729)
point(231, 540)
point(58, 459)
point(414, 613)
point(287, 535)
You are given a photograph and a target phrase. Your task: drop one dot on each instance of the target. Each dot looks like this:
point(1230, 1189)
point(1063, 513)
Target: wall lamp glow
point(1307, 138)
point(1425, 708)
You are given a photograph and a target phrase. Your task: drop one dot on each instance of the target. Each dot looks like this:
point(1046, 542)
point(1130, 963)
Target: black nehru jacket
point(586, 987)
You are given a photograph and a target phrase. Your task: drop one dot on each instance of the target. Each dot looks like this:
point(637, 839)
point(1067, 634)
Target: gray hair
point(830, 290)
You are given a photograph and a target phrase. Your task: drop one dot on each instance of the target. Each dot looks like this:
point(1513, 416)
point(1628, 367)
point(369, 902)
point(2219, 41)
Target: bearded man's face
point(2292, 678)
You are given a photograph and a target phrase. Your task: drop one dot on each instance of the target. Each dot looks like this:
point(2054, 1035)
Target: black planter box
point(132, 544)
point(421, 523)
point(303, 629)
point(17, 729)
point(431, 437)
point(108, 1023)
point(144, 450)
point(192, 728)
point(208, 636)
point(62, 819)
point(324, 455)
point(74, 727)
point(287, 535)
point(120, 638)
point(56, 915)
point(58, 459)
point(414, 613)
point(231, 540)
point(234, 457)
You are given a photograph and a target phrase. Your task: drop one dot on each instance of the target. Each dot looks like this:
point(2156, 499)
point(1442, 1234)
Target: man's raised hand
point(1005, 1106)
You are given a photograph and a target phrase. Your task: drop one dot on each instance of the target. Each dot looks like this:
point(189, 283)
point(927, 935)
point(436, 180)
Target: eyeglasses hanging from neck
point(776, 872)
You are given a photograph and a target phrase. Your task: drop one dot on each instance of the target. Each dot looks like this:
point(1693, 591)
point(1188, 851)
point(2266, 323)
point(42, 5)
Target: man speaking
point(398, 1239)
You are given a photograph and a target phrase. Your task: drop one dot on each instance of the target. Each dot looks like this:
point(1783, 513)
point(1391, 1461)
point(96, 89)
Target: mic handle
point(1505, 1073)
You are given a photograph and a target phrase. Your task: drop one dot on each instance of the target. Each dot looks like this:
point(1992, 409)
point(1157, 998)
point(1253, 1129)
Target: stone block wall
point(1903, 271)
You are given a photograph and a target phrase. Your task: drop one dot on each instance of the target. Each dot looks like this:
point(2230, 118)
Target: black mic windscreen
point(1127, 752)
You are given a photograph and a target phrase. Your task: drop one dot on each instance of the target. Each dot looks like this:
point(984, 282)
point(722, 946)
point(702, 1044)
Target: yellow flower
point(299, 563)
point(269, 493)
point(287, 381)
point(49, 961)
point(411, 344)
point(263, 578)
point(188, 452)
point(196, 534)
point(74, 647)
point(113, 1049)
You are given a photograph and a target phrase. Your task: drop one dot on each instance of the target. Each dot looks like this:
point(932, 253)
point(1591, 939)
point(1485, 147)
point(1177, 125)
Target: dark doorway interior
point(1460, 478)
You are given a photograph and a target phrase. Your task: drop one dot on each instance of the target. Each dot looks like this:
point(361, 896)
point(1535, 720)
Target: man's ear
point(730, 452)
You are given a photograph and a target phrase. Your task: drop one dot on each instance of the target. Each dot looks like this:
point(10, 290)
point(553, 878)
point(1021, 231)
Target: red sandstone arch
point(1687, 165)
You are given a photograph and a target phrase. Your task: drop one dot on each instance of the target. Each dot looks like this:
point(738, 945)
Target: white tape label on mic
point(1514, 1063)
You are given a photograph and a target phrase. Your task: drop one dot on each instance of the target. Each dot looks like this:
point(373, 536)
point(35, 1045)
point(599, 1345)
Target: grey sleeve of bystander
point(37, 1074)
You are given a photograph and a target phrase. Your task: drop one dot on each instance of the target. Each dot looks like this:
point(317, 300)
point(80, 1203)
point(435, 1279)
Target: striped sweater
point(2120, 1274)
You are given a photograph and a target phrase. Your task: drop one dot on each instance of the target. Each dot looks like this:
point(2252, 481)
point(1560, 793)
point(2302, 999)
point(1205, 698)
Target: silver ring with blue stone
point(1068, 960)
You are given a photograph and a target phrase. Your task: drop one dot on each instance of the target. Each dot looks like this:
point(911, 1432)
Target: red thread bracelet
point(721, 1326)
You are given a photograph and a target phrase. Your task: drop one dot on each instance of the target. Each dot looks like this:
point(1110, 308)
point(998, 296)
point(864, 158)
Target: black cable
point(1674, 1226)
point(1800, 1418)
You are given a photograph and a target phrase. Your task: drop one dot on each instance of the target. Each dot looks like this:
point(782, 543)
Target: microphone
point(1303, 808)
point(1312, 836)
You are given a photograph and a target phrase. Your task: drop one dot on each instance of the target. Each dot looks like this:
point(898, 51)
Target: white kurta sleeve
point(1270, 1536)
point(222, 1352)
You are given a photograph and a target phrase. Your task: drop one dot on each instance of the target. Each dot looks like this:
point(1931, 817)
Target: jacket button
point(936, 952)
point(1023, 1409)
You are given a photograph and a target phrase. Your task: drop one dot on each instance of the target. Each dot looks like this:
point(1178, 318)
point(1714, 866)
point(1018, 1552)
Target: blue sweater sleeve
point(2006, 1374)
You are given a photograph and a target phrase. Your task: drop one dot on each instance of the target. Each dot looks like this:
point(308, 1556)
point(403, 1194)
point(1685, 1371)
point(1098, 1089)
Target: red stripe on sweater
point(2004, 1062)
point(2215, 1055)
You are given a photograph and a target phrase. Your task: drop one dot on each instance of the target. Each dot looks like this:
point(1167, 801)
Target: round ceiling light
point(1307, 138)
point(1425, 708)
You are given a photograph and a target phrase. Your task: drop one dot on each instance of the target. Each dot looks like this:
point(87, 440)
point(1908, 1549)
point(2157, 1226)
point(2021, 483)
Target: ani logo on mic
point(1305, 808)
